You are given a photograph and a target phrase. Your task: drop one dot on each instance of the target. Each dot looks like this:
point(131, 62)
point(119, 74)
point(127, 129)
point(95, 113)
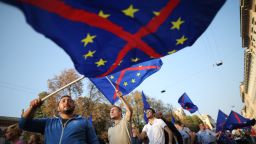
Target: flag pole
point(201, 117)
point(46, 97)
point(199, 112)
point(111, 83)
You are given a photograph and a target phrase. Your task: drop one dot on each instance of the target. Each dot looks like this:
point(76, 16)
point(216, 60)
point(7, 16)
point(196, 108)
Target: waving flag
point(221, 120)
point(104, 37)
point(235, 121)
point(90, 119)
point(126, 80)
point(145, 106)
point(172, 119)
point(187, 104)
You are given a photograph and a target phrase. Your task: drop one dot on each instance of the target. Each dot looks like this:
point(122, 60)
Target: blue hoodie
point(74, 131)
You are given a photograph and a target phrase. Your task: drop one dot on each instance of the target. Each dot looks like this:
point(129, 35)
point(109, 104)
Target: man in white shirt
point(155, 128)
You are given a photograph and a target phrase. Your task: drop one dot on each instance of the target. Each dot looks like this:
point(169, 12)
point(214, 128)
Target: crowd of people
point(69, 128)
point(13, 135)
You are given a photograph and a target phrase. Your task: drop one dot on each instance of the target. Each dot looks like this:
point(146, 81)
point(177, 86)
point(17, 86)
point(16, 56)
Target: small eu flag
point(126, 80)
point(187, 104)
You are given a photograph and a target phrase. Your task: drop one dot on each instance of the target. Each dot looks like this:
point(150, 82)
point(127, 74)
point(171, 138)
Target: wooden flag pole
point(46, 97)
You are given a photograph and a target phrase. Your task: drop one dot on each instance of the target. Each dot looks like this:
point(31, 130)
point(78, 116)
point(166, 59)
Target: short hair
point(119, 108)
point(178, 122)
point(64, 97)
point(153, 111)
point(58, 103)
point(201, 124)
point(14, 129)
point(36, 136)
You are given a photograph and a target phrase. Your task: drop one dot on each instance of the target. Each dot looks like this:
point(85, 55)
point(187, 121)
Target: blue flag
point(104, 37)
point(173, 119)
point(221, 120)
point(235, 121)
point(187, 104)
point(90, 119)
point(145, 106)
point(126, 80)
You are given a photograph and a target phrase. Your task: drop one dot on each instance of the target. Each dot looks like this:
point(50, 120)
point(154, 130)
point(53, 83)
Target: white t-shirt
point(155, 132)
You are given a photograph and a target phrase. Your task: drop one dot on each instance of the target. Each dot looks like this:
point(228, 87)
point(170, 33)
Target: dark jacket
point(175, 132)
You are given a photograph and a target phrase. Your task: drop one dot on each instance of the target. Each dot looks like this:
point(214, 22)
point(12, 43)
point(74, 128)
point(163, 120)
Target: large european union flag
point(104, 37)
point(235, 121)
point(145, 106)
point(187, 104)
point(126, 80)
point(221, 120)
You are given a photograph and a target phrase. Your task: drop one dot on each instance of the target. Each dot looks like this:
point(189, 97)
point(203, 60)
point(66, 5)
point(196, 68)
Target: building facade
point(207, 119)
point(248, 34)
point(179, 112)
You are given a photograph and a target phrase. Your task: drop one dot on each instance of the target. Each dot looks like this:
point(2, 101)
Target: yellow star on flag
point(130, 11)
point(138, 74)
point(88, 39)
point(135, 59)
point(171, 52)
point(89, 54)
point(125, 84)
point(133, 81)
point(177, 24)
point(103, 15)
point(112, 77)
point(181, 40)
point(156, 13)
point(101, 62)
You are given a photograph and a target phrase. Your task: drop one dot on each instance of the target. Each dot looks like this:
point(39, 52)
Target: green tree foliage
point(57, 82)
point(138, 111)
point(97, 106)
point(135, 100)
point(192, 122)
point(86, 104)
point(101, 120)
point(40, 113)
point(157, 105)
point(63, 79)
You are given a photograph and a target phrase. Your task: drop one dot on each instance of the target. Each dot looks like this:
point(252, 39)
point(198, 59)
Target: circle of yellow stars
point(130, 11)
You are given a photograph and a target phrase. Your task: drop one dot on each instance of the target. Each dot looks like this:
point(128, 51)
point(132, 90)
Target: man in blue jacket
point(67, 128)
